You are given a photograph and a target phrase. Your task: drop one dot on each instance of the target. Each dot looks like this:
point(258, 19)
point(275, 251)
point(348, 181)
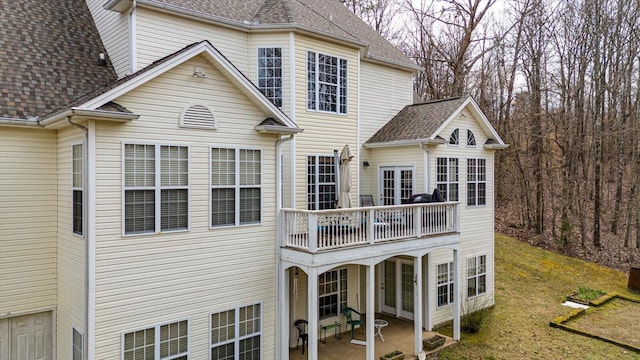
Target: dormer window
point(454, 139)
point(471, 139)
point(326, 83)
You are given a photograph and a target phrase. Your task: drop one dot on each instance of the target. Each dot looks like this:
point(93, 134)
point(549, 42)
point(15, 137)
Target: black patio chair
point(301, 325)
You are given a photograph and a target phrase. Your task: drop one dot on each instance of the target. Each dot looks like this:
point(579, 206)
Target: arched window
point(454, 139)
point(198, 116)
point(471, 139)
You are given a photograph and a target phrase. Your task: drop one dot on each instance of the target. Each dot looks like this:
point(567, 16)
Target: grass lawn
point(530, 286)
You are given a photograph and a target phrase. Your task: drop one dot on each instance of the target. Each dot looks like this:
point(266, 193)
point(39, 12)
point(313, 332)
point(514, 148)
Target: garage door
point(26, 337)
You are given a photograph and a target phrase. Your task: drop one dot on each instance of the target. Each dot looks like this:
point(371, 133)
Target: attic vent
point(198, 116)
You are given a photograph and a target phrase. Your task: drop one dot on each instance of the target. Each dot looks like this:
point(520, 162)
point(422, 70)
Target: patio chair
point(301, 325)
point(351, 320)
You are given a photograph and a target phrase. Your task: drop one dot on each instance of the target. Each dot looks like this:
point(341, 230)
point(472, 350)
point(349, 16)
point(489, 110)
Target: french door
point(397, 287)
point(396, 184)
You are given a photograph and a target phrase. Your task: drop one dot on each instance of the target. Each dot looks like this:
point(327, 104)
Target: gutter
point(277, 129)
point(82, 114)
point(22, 123)
point(419, 142)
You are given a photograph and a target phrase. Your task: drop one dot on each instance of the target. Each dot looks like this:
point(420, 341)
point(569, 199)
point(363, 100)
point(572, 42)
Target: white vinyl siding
point(162, 342)
point(326, 83)
point(114, 33)
point(156, 188)
point(160, 34)
point(270, 74)
point(161, 274)
point(236, 334)
point(236, 186)
point(28, 189)
point(78, 188)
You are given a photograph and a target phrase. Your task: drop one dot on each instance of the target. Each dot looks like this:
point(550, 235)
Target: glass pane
point(249, 206)
point(223, 207)
point(139, 165)
point(223, 167)
point(139, 211)
point(174, 209)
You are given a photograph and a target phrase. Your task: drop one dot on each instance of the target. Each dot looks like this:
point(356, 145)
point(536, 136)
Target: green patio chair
point(350, 314)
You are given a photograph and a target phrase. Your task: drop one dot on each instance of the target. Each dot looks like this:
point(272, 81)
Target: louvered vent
point(198, 116)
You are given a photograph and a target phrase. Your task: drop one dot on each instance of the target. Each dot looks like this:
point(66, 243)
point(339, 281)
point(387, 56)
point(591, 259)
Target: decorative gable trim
point(198, 116)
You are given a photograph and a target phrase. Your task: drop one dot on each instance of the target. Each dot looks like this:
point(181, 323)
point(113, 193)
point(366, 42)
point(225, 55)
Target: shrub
point(475, 311)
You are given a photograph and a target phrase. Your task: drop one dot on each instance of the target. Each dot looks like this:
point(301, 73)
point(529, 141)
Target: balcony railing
point(317, 230)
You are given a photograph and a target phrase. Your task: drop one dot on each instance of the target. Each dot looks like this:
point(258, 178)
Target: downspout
point(427, 167)
point(89, 211)
point(133, 39)
point(281, 328)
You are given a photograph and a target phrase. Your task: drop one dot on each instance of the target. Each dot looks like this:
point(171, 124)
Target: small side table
point(379, 324)
point(336, 326)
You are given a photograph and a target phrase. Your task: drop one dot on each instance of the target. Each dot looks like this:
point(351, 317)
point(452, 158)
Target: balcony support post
point(417, 303)
point(312, 224)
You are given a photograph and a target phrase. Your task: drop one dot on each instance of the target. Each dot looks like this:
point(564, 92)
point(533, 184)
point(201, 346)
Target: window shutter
point(198, 116)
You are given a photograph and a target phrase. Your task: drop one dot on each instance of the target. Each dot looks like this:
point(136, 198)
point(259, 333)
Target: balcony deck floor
point(397, 336)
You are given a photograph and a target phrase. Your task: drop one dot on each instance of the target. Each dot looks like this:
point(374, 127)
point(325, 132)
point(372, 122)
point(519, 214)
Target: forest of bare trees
point(560, 80)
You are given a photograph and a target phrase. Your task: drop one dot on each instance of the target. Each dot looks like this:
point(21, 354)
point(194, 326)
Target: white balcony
point(314, 231)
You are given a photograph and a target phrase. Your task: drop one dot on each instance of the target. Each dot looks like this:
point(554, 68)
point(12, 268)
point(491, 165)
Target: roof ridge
point(435, 101)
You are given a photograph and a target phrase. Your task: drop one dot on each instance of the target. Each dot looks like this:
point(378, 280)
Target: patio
point(398, 335)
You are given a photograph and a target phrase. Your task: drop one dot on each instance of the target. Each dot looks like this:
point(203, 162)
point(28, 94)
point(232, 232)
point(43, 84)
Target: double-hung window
point(447, 178)
point(321, 182)
point(270, 74)
point(445, 284)
point(326, 83)
point(476, 182)
point(236, 186)
point(332, 292)
point(476, 275)
point(235, 334)
point(156, 188)
point(78, 187)
point(162, 342)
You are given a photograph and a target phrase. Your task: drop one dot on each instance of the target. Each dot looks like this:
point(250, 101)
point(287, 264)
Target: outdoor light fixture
point(102, 59)
point(199, 73)
point(366, 163)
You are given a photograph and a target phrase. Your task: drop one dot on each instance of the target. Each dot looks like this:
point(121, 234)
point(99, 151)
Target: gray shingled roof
point(48, 56)
point(329, 17)
point(417, 121)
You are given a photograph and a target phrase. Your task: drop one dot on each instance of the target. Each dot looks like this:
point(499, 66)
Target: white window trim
point(156, 328)
point(317, 183)
point(82, 188)
point(469, 131)
point(75, 329)
point(237, 338)
point(467, 182)
point(346, 97)
point(486, 274)
point(157, 188)
point(282, 75)
point(451, 282)
point(237, 187)
point(449, 139)
point(397, 190)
